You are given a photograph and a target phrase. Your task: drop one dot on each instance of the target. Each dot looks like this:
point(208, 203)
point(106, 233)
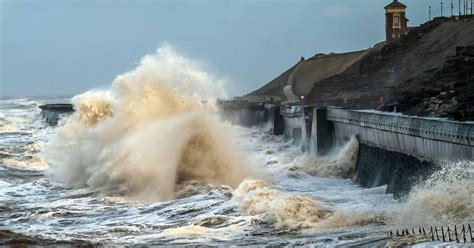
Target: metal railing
point(441, 234)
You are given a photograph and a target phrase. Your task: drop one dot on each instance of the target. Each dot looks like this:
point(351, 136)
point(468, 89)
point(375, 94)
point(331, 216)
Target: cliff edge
point(428, 72)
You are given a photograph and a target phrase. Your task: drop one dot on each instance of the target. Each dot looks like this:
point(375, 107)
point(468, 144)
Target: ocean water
point(146, 161)
point(291, 205)
point(36, 205)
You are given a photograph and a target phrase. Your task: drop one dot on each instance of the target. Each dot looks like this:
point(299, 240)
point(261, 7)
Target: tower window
point(396, 20)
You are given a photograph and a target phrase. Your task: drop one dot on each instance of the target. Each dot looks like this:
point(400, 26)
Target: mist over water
point(149, 132)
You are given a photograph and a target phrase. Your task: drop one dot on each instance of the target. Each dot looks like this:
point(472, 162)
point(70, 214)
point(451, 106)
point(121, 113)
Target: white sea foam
point(3, 184)
point(256, 197)
point(26, 162)
point(7, 124)
point(446, 198)
point(341, 164)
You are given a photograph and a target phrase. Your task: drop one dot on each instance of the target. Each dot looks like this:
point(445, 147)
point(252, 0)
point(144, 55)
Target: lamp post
point(441, 8)
point(452, 7)
point(459, 6)
point(429, 13)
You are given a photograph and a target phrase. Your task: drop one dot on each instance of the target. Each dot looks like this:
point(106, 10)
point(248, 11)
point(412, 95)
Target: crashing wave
point(257, 197)
point(341, 164)
point(444, 199)
point(149, 132)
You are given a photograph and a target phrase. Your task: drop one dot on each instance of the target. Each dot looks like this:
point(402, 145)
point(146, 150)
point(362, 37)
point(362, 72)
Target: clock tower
point(395, 21)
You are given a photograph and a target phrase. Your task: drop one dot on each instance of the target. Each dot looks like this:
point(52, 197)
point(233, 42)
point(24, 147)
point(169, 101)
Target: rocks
point(429, 72)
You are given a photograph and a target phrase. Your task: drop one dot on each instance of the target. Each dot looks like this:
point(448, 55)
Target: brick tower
point(396, 21)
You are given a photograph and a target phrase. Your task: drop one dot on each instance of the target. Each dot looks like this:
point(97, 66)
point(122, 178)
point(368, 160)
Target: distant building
point(396, 21)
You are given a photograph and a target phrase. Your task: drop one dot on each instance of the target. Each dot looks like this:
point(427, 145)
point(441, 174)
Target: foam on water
point(26, 162)
point(150, 137)
point(257, 197)
point(203, 212)
point(446, 198)
point(3, 184)
point(341, 164)
point(306, 201)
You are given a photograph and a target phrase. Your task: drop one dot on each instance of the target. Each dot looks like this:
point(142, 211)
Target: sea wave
point(340, 164)
point(444, 199)
point(148, 133)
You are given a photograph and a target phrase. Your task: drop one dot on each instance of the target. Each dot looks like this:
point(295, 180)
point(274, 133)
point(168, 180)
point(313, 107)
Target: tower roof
point(395, 5)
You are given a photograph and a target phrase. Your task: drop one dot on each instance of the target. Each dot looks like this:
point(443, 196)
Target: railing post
point(442, 233)
point(470, 231)
point(456, 233)
point(449, 235)
point(463, 234)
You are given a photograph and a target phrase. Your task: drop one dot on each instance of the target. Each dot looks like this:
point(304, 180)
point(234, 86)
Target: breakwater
point(395, 150)
point(51, 113)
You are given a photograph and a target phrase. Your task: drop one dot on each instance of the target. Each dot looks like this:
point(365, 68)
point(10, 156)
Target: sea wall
point(395, 150)
point(400, 172)
point(51, 113)
point(253, 114)
point(243, 113)
point(297, 124)
point(293, 123)
point(424, 138)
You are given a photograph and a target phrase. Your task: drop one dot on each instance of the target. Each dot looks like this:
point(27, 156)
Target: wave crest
point(150, 131)
point(341, 164)
point(444, 199)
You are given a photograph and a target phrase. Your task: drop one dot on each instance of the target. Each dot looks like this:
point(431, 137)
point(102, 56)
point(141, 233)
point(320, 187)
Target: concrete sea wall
point(399, 151)
point(424, 138)
point(244, 113)
point(51, 113)
point(293, 123)
point(395, 150)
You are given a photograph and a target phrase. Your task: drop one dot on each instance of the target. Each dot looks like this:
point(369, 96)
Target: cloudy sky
point(64, 47)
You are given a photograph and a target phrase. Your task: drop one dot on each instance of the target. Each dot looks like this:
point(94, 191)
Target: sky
point(65, 47)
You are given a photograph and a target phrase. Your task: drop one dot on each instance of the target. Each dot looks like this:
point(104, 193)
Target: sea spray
point(341, 164)
point(147, 133)
point(39, 207)
point(446, 198)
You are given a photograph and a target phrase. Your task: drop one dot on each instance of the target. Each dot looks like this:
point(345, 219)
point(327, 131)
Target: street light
point(442, 8)
point(429, 13)
point(452, 7)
